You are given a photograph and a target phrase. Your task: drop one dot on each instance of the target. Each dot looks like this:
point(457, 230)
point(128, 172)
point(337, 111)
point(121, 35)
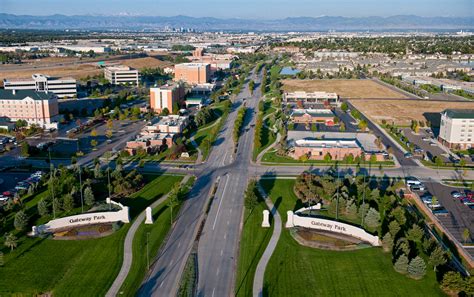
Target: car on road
point(433, 144)
point(419, 187)
point(457, 194)
point(426, 139)
point(408, 155)
point(411, 180)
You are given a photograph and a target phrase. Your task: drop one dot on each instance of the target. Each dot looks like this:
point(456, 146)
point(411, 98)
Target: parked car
point(419, 187)
point(426, 139)
point(408, 155)
point(433, 144)
point(457, 194)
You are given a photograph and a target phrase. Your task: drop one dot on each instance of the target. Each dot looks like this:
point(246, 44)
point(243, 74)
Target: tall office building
point(193, 73)
point(167, 96)
point(457, 128)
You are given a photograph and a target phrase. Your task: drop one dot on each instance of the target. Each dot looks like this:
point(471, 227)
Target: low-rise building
point(316, 145)
point(64, 87)
point(457, 128)
point(149, 143)
point(40, 108)
point(118, 75)
point(173, 124)
point(193, 73)
point(167, 96)
point(310, 116)
point(303, 99)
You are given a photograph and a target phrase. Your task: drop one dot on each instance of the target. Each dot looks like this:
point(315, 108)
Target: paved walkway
point(262, 264)
point(127, 246)
point(275, 143)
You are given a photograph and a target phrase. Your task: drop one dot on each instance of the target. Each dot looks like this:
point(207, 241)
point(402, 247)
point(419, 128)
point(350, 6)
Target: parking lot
point(458, 217)
point(8, 180)
point(425, 145)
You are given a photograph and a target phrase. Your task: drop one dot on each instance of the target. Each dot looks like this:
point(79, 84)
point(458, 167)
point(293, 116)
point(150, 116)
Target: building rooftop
point(119, 68)
point(365, 140)
point(313, 112)
point(22, 94)
point(327, 143)
point(190, 65)
point(37, 76)
point(459, 113)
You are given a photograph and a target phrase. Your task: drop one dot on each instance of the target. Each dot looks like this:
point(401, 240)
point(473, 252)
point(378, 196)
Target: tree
point(344, 106)
point(21, 220)
point(401, 265)
point(68, 203)
point(327, 158)
point(109, 133)
point(165, 111)
point(251, 198)
point(43, 208)
point(466, 235)
point(438, 161)
point(89, 198)
point(93, 133)
point(417, 268)
point(387, 242)
point(93, 143)
point(173, 199)
point(372, 219)
point(437, 257)
point(342, 127)
point(314, 127)
point(363, 125)
point(25, 149)
point(453, 282)
point(415, 233)
point(10, 241)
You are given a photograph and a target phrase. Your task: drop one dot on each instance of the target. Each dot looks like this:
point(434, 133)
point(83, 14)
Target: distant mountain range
point(323, 23)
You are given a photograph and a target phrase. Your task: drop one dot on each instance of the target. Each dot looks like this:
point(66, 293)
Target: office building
point(40, 108)
point(310, 116)
point(118, 75)
point(167, 96)
point(310, 99)
point(62, 87)
point(456, 129)
point(192, 73)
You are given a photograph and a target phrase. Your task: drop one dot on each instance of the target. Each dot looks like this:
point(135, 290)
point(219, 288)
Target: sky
point(251, 9)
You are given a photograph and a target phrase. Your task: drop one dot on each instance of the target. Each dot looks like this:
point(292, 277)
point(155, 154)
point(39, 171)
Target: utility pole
point(80, 189)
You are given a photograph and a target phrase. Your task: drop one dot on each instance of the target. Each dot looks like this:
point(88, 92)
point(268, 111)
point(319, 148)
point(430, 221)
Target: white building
point(121, 75)
point(456, 130)
point(62, 87)
point(310, 99)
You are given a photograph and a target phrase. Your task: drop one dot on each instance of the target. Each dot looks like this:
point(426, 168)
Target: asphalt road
point(218, 244)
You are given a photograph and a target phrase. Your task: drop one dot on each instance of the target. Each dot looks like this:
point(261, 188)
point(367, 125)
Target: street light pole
point(80, 189)
point(147, 250)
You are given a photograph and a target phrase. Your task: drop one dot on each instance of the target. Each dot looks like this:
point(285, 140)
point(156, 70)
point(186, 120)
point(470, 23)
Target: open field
point(77, 71)
point(72, 267)
point(403, 111)
point(313, 272)
point(345, 88)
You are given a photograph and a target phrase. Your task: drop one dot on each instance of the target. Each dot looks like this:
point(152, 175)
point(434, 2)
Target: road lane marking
point(231, 210)
point(217, 273)
point(220, 203)
point(225, 235)
point(222, 252)
point(161, 285)
point(228, 222)
point(213, 291)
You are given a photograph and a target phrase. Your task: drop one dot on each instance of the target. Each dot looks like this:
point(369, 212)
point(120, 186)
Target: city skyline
point(245, 9)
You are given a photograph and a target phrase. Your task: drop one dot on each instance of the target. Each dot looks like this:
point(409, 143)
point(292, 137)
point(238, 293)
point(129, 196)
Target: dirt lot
point(403, 111)
point(77, 70)
point(345, 88)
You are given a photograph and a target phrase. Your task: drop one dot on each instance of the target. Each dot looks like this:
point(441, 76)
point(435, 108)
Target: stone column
point(266, 221)
point(289, 223)
point(149, 216)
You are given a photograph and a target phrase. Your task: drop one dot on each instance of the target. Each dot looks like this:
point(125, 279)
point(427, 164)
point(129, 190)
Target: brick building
point(167, 96)
point(193, 73)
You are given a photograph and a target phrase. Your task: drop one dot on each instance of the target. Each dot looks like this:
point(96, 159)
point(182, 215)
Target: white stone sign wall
point(85, 219)
point(332, 226)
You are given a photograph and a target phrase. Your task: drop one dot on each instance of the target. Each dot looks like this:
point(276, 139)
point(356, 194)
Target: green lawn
point(157, 233)
point(252, 245)
point(72, 268)
point(304, 271)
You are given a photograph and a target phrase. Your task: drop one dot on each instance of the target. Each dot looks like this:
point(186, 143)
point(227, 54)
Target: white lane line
point(225, 235)
point(171, 263)
point(213, 291)
point(223, 159)
point(217, 273)
point(231, 210)
point(220, 202)
point(161, 285)
point(179, 244)
point(222, 252)
point(228, 222)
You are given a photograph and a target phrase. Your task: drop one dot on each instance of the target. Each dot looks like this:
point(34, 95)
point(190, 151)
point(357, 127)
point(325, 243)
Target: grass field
point(156, 235)
point(345, 88)
point(402, 112)
point(72, 268)
point(252, 245)
point(304, 271)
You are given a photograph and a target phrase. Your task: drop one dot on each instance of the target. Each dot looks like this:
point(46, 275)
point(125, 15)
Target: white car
point(426, 139)
point(433, 144)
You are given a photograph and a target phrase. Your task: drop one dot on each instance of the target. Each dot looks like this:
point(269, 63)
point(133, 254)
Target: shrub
point(417, 268)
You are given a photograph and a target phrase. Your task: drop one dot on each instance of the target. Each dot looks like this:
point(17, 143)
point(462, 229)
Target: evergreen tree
point(43, 208)
point(417, 268)
point(394, 228)
point(351, 209)
point(372, 219)
point(251, 198)
point(415, 233)
point(453, 282)
point(437, 257)
point(387, 242)
point(97, 171)
point(2, 259)
point(21, 220)
point(403, 246)
point(89, 196)
point(68, 203)
point(401, 265)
